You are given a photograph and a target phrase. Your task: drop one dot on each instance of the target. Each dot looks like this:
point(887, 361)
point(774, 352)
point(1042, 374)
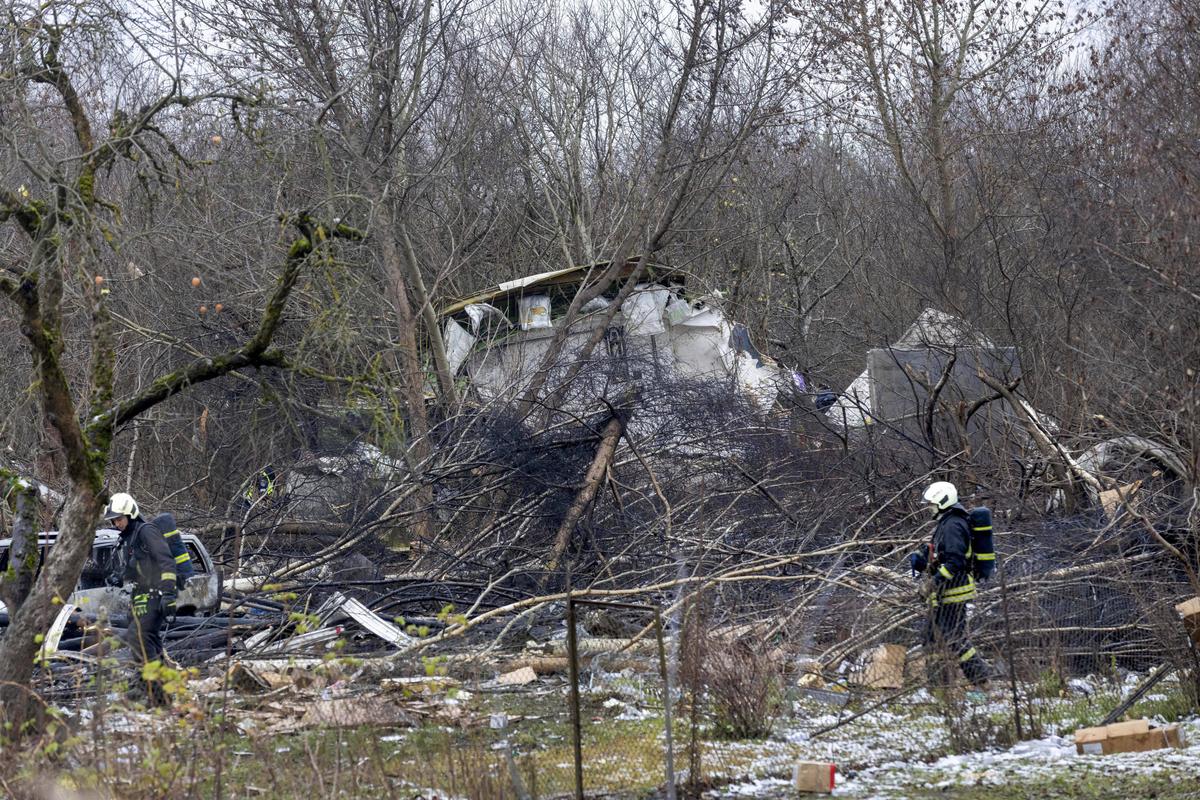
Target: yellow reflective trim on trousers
point(954, 596)
point(982, 528)
point(933, 601)
point(945, 573)
point(182, 558)
point(169, 534)
point(969, 586)
point(985, 556)
point(168, 576)
point(967, 656)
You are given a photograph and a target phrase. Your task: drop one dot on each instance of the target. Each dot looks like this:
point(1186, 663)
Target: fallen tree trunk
point(591, 484)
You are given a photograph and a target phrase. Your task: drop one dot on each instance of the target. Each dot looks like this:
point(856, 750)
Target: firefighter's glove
point(917, 563)
point(141, 604)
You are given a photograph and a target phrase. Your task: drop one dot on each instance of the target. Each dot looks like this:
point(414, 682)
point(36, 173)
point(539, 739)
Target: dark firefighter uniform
point(953, 586)
point(262, 487)
point(148, 563)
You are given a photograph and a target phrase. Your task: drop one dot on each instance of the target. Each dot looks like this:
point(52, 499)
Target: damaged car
point(199, 597)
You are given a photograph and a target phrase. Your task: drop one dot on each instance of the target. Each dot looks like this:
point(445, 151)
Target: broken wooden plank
point(518, 677)
point(595, 646)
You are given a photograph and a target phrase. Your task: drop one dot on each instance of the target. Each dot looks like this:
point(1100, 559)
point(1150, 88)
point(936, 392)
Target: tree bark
point(54, 584)
point(17, 579)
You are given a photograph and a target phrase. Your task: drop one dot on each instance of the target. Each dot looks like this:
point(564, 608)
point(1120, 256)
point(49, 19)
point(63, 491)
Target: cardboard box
point(1112, 499)
point(1190, 611)
point(916, 669)
point(1153, 739)
point(1099, 741)
point(885, 667)
point(1134, 736)
point(814, 776)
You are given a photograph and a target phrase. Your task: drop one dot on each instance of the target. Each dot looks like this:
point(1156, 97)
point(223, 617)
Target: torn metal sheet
point(885, 390)
point(54, 635)
point(576, 275)
point(304, 641)
point(373, 623)
point(658, 331)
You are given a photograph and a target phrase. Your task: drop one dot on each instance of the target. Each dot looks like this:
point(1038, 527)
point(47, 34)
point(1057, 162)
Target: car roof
point(105, 537)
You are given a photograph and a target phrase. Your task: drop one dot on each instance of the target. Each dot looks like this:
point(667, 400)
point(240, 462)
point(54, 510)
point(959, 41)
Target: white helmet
point(121, 505)
point(941, 495)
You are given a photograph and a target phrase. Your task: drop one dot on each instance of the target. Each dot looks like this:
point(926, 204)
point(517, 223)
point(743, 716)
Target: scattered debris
point(349, 712)
point(884, 667)
point(1111, 500)
point(420, 684)
point(1139, 689)
point(1189, 610)
point(814, 776)
point(518, 677)
point(1134, 736)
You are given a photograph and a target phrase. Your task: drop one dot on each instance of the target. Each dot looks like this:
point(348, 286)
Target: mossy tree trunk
point(65, 228)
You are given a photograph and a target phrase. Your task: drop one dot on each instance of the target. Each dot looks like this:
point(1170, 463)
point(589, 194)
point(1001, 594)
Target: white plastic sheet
point(595, 304)
point(534, 311)
point(478, 312)
point(458, 344)
point(643, 310)
point(678, 310)
point(760, 384)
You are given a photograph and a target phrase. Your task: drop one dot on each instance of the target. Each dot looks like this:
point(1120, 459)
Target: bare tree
point(55, 280)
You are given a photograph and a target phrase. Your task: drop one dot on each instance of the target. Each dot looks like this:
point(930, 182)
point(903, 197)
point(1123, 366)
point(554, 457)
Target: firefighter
point(144, 558)
point(261, 488)
point(951, 583)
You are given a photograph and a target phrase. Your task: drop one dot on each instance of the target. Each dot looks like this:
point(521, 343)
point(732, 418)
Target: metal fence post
point(1012, 663)
point(666, 677)
point(573, 673)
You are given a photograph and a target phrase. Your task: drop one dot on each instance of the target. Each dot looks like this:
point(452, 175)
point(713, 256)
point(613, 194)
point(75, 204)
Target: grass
point(203, 756)
point(1069, 787)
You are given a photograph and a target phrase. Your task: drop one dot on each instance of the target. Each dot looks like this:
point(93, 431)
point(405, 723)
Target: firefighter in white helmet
point(143, 558)
point(951, 584)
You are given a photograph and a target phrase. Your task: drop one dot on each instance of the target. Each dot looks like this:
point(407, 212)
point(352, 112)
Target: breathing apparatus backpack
point(184, 568)
point(983, 549)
